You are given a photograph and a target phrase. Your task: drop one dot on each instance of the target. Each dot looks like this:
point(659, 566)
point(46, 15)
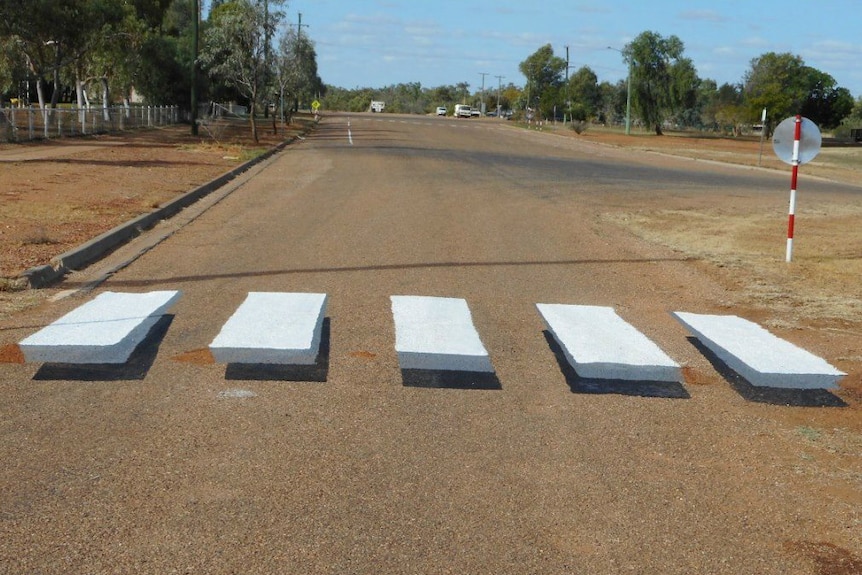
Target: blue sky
point(376, 43)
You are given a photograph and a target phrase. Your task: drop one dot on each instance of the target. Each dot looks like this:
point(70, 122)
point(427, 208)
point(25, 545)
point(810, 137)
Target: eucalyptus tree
point(785, 86)
point(44, 35)
point(663, 81)
point(775, 82)
point(544, 73)
point(295, 66)
point(584, 93)
point(827, 104)
point(166, 56)
point(236, 48)
point(74, 41)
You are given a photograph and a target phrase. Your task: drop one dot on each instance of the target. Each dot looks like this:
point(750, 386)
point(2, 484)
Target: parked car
point(441, 110)
point(462, 111)
point(475, 112)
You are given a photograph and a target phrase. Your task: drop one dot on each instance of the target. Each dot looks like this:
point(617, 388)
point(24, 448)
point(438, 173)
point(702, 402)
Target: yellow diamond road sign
point(315, 105)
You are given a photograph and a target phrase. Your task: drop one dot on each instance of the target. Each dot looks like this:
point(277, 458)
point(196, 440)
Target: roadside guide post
point(796, 141)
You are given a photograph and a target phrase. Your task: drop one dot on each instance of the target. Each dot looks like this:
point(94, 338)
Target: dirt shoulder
point(61, 193)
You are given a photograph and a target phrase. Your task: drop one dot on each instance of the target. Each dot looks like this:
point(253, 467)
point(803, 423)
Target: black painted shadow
point(445, 379)
point(315, 372)
point(578, 384)
point(791, 397)
point(135, 368)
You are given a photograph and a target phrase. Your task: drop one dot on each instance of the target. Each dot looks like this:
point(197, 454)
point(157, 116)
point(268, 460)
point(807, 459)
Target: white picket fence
point(34, 123)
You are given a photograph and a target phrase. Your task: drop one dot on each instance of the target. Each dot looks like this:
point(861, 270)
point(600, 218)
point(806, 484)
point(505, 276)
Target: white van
point(462, 111)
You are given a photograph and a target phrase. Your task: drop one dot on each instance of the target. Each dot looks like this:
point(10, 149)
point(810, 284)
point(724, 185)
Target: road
point(164, 472)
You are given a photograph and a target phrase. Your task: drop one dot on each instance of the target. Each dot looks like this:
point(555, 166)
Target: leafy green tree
point(166, 57)
point(584, 94)
point(544, 73)
point(785, 86)
point(296, 69)
point(235, 49)
point(722, 107)
point(851, 122)
point(662, 79)
point(778, 83)
point(44, 34)
point(462, 89)
point(112, 59)
point(613, 102)
point(827, 103)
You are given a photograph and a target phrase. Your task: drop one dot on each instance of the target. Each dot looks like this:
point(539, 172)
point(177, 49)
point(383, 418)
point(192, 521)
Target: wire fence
point(34, 123)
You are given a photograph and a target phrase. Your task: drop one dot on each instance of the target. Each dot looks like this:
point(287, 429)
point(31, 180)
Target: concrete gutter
point(100, 246)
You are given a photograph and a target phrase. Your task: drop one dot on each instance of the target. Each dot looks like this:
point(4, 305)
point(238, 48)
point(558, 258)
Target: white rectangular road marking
point(273, 328)
point(759, 356)
point(599, 344)
point(437, 333)
point(105, 330)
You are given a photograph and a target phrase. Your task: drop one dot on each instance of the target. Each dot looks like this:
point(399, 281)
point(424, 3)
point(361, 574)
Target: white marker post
point(800, 149)
point(762, 135)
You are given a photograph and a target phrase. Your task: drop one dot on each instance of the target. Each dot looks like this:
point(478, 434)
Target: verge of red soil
point(58, 194)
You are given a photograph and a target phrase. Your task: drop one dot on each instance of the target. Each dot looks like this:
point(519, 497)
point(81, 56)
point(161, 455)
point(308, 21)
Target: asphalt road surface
point(177, 465)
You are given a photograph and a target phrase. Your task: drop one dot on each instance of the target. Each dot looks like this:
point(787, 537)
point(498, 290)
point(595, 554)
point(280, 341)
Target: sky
point(377, 43)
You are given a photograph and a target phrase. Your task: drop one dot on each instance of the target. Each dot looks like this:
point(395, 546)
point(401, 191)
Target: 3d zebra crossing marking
point(105, 330)
point(431, 334)
point(273, 328)
point(763, 359)
point(599, 344)
point(437, 333)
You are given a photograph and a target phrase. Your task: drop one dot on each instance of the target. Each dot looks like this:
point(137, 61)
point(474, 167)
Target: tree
point(584, 94)
point(40, 33)
point(785, 86)
point(613, 102)
point(296, 68)
point(112, 58)
point(235, 48)
point(775, 82)
point(852, 121)
point(544, 73)
point(166, 57)
point(722, 107)
point(462, 89)
point(662, 80)
point(827, 104)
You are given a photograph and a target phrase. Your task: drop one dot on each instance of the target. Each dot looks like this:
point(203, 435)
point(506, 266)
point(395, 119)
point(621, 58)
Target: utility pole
point(568, 99)
point(482, 102)
point(195, 33)
point(499, 87)
point(299, 26)
point(631, 60)
point(266, 59)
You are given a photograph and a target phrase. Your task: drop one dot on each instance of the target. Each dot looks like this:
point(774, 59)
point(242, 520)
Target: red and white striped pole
point(797, 135)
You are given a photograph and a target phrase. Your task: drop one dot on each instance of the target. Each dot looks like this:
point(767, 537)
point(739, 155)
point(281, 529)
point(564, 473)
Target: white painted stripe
point(106, 329)
point(273, 328)
point(759, 356)
point(599, 344)
point(437, 333)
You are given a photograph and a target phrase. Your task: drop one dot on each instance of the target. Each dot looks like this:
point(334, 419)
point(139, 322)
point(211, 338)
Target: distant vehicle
point(462, 111)
point(475, 112)
point(442, 111)
point(377, 106)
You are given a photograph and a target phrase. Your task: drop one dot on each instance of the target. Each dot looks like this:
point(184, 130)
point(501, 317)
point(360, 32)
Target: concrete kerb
point(100, 246)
